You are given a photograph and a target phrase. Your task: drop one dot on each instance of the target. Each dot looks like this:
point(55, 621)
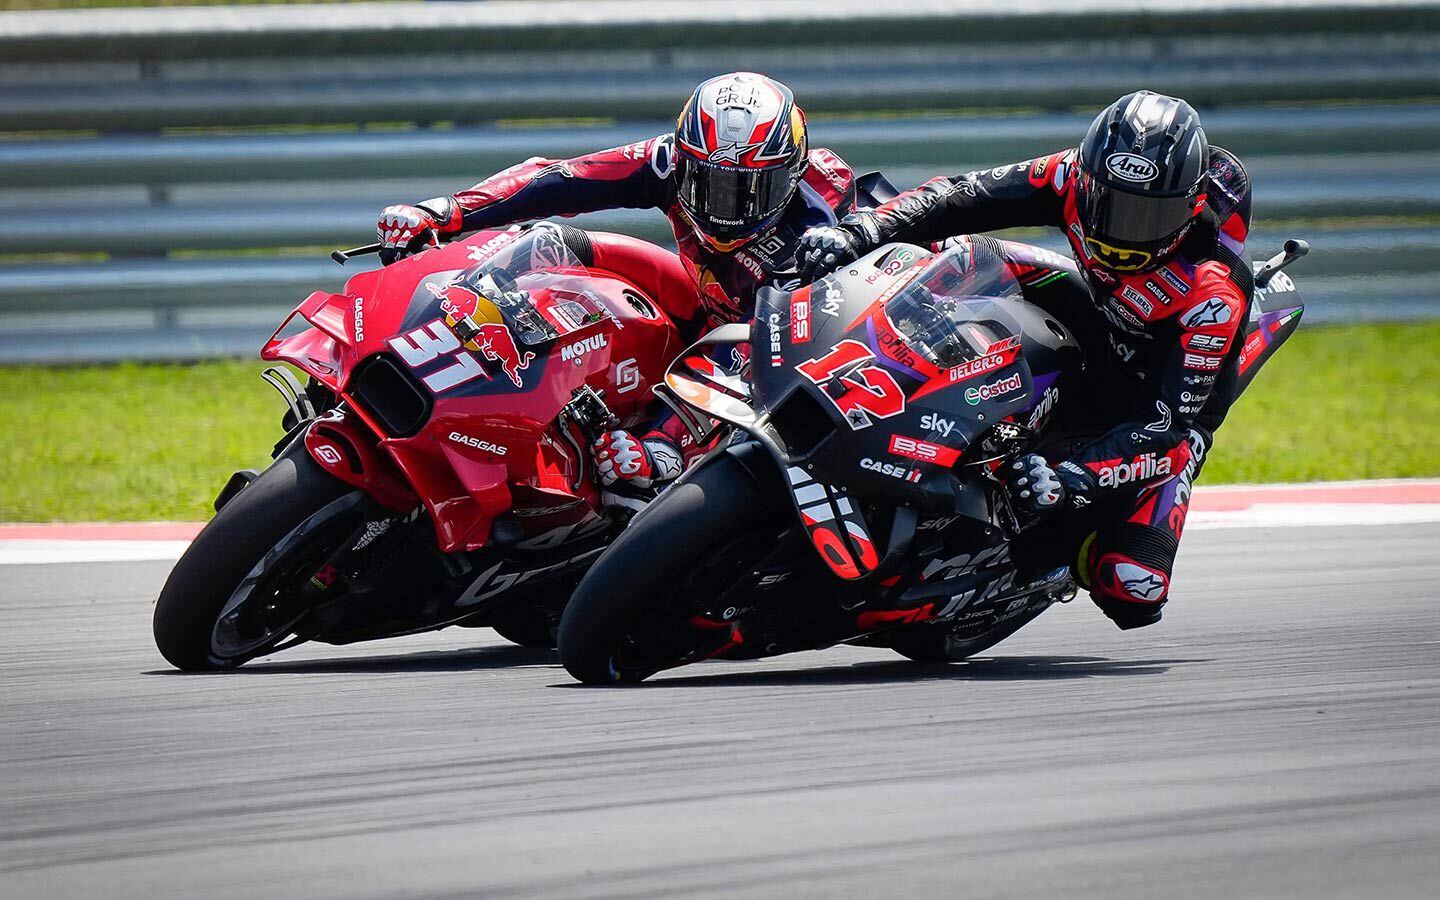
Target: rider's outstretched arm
point(1025, 193)
point(635, 176)
point(1003, 197)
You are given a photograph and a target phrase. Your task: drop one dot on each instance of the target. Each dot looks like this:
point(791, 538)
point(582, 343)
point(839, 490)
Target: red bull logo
point(479, 324)
point(498, 345)
point(456, 300)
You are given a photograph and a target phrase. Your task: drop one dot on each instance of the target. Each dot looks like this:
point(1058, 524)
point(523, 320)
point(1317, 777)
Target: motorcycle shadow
point(999, 668)
point(465, 660)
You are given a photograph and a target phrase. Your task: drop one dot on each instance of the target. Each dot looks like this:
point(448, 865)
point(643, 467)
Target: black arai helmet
point(1141, 174)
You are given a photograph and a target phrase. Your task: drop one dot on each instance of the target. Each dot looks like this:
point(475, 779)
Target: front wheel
point(630, 616)
point(228, 599)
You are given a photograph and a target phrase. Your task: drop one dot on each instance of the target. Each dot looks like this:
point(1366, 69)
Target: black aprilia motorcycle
point(878, 401)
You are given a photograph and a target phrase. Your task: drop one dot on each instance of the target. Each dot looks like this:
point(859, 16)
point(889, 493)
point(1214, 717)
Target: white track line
point(1302, 515)
point(1259, 515)
point(41, 552)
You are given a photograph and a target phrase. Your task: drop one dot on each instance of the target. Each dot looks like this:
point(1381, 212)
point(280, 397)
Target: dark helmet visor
point(732, 202)
point(1119, 217)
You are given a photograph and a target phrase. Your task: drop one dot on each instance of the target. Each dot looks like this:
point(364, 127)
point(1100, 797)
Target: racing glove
point(824, 249)
point(1036, 490)
point(638, 462)
point(405, 229)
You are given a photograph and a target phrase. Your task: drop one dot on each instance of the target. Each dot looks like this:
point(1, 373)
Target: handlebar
point(1294, 249)
point(340, 256)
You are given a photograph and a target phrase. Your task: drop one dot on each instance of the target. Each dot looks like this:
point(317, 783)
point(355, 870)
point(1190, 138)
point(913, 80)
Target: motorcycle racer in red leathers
point(1157, 219)
point(739, 184)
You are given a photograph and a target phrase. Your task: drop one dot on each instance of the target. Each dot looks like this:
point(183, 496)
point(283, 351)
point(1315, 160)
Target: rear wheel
point(630, 616)
point(229, 598)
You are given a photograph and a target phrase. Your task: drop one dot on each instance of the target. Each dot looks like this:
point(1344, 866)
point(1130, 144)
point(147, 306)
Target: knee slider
point(1128, 591)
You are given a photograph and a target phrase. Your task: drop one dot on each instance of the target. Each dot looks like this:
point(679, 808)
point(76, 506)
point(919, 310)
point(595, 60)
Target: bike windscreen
point(947, 313)
point(503, 285)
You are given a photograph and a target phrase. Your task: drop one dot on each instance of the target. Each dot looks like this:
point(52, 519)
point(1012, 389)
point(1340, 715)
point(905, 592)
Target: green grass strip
point(145, 442)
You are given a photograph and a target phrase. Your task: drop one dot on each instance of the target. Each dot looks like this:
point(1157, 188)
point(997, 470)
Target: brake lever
point(1012, 521)
point(340, 256)
point(786, 279)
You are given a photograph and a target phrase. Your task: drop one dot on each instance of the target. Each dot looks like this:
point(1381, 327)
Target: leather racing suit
point(642, 176)
point(1162, 356)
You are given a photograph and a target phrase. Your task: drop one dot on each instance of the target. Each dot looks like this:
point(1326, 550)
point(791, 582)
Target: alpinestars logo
point(1211, 312)
point(1142, 584)
point(1141, 468)
point(732, 152)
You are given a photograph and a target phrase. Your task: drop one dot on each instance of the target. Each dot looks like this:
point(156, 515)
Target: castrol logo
point(975, 395)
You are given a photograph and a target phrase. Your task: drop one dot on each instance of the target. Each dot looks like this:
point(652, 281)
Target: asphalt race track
point(1277, 736)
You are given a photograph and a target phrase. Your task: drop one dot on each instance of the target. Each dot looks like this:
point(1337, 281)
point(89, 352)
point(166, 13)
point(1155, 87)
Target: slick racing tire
point(934, 645)
point(230, 548)
point(685, 548)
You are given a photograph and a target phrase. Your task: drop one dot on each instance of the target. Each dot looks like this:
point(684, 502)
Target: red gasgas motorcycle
point(435, 469)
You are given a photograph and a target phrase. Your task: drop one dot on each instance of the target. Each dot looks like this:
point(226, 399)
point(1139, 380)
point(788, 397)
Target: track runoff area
point(1339, 504)
point(1277, 736)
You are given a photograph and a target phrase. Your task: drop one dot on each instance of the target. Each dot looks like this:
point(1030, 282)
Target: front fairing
point(901, 446)
point(479, 436)
point(883, 382)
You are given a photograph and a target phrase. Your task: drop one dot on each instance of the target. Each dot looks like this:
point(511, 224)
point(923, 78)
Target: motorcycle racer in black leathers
point(1157, 219)
point(739, 183)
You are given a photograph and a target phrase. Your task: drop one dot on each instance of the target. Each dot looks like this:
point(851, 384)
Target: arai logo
point(1130, 167)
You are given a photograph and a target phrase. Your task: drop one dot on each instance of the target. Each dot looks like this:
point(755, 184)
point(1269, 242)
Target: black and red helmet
point(1140, 181)
point(740, 152)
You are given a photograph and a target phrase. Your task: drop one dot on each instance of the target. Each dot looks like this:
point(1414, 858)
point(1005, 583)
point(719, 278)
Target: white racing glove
point(405, 229)
point(638, 462)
